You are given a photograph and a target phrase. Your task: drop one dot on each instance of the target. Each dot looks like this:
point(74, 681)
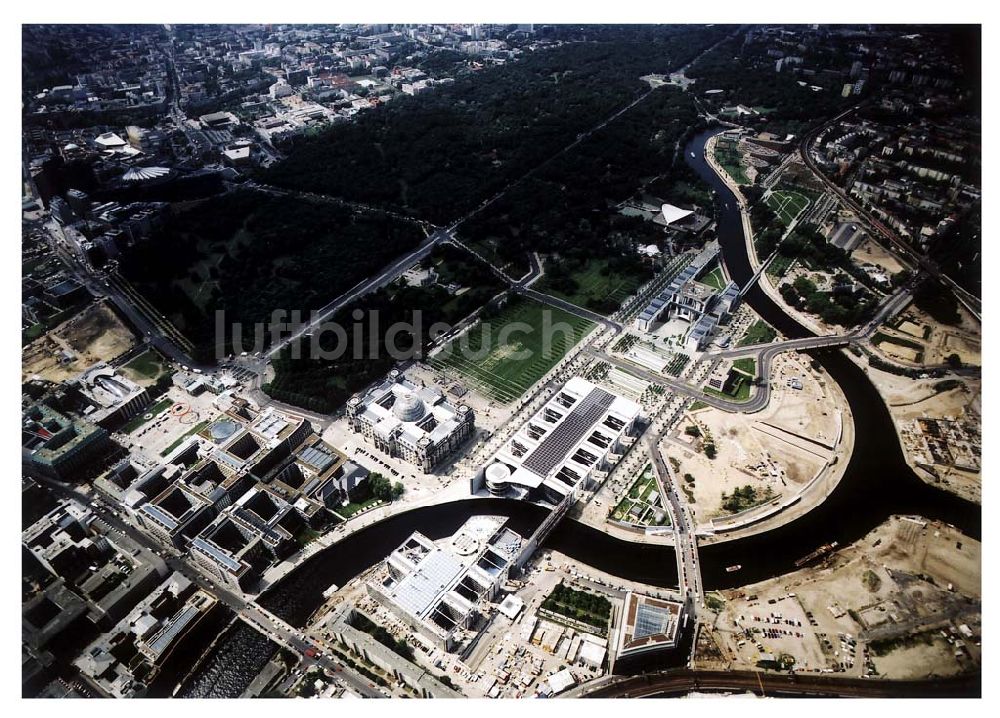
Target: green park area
point(505, 363)
point(727, 154)
point(715, 278)
point(676, 364)
point(368, 494)
point(148, 365)
point(745, 497)
point(787, 204)
point(600, 285)
point(580, 606)
point(248, 253)
point(760, 332)
point(642, 505)
point(464, 286)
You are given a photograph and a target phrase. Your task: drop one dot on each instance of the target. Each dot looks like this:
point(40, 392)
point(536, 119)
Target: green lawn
point(140, 419)
point(306, 535)
point(779, 266)
point(739, 392)
point(760, 332)
point(490, 354)
point(32, 333)
point(594, 287)
point(714, 278)
point(353, 508)
point(149, 364)
point(746, 365)
point(728, 156)
point(788, 204)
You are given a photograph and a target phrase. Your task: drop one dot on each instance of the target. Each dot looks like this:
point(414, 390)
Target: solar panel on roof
point(316, 457)
point(162, 641)
point(564, 437)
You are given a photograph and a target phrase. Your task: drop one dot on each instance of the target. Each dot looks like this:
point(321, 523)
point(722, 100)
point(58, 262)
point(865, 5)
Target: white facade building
point(437, 588)
point(410, 421)
point(579, 432)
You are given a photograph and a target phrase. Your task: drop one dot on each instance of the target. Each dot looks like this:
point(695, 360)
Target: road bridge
point(685, 541)
point(835, 340)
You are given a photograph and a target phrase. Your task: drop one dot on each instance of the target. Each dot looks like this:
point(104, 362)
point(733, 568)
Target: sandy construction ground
point(881, 607)
point(912, 399)
point(773, 450)
point(94, 335)
point(937, 341)
point(868, 252)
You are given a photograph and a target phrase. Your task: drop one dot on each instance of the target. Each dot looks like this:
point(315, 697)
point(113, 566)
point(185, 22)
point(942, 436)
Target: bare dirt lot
point(92, 336)
point(868, 252)
point(917, 339)
point(776, 451)
point(912, 400)
point(904, 602)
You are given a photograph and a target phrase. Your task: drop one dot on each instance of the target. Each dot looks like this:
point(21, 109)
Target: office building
point(578, 435)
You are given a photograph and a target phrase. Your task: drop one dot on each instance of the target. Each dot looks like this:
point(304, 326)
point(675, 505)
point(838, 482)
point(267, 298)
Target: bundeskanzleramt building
point(412, 422)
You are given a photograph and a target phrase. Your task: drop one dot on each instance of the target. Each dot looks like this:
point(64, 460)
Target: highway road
point(383, 278)
point(315, 197)
point(569, 307)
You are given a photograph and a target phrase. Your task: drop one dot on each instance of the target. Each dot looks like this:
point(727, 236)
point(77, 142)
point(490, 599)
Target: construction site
point(799, 441)
point(904, 602)
point(94, 335)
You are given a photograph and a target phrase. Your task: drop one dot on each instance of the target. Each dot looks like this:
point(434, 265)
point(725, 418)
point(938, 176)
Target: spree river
point(876, 484)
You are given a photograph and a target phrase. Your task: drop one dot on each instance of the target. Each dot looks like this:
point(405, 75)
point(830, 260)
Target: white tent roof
point(673, 214)
point(110, 139)
point(562, 680)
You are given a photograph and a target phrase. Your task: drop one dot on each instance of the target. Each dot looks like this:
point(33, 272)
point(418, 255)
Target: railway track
point(685, 681)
